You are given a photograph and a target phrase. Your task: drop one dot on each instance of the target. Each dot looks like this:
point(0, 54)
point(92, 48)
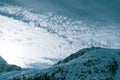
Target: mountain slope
point(93, 63)
point(5, 67)
point(87, 64)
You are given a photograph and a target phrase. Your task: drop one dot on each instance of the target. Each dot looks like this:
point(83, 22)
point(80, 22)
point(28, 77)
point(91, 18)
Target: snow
point(39, 40)
point(95, 64)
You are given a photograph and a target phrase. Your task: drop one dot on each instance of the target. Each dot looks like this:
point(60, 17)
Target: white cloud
point(49, 35)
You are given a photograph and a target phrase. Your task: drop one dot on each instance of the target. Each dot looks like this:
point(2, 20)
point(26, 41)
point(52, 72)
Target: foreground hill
point(93, 63)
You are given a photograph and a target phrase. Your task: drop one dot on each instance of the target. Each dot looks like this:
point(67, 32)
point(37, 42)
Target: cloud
point(50, 35)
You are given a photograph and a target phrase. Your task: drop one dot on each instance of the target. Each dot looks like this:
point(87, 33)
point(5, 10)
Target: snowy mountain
point(5, 67)
point(39, 33)
point(93, 63)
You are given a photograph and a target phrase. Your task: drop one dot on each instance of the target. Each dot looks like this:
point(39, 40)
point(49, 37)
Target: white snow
point(95, 64)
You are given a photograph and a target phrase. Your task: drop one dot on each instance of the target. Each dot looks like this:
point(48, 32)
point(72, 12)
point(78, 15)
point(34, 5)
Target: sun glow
point(10, 51)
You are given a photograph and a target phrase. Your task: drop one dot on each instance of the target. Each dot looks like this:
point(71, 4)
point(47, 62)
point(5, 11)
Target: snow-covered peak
point(96, 51)
point(93, 63)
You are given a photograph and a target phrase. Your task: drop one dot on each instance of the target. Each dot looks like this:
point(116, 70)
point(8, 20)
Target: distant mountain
point(5, 67)
point(93, 63)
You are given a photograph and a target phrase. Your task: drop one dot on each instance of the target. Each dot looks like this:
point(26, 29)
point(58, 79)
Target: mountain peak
point(78, 54)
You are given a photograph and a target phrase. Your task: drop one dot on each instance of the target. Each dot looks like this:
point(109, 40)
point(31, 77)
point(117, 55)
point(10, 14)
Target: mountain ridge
point(95, 64)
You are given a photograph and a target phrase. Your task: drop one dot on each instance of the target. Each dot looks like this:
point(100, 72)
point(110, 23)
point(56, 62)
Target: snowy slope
point(93, 63)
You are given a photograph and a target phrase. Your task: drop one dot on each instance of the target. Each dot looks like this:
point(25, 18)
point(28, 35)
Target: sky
point(29, 36)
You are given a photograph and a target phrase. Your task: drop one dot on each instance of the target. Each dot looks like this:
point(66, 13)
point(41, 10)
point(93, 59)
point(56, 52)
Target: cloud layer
point(36, 37)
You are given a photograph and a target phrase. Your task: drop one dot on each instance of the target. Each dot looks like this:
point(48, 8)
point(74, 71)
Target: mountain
point(5, 67)
point(93, 63)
